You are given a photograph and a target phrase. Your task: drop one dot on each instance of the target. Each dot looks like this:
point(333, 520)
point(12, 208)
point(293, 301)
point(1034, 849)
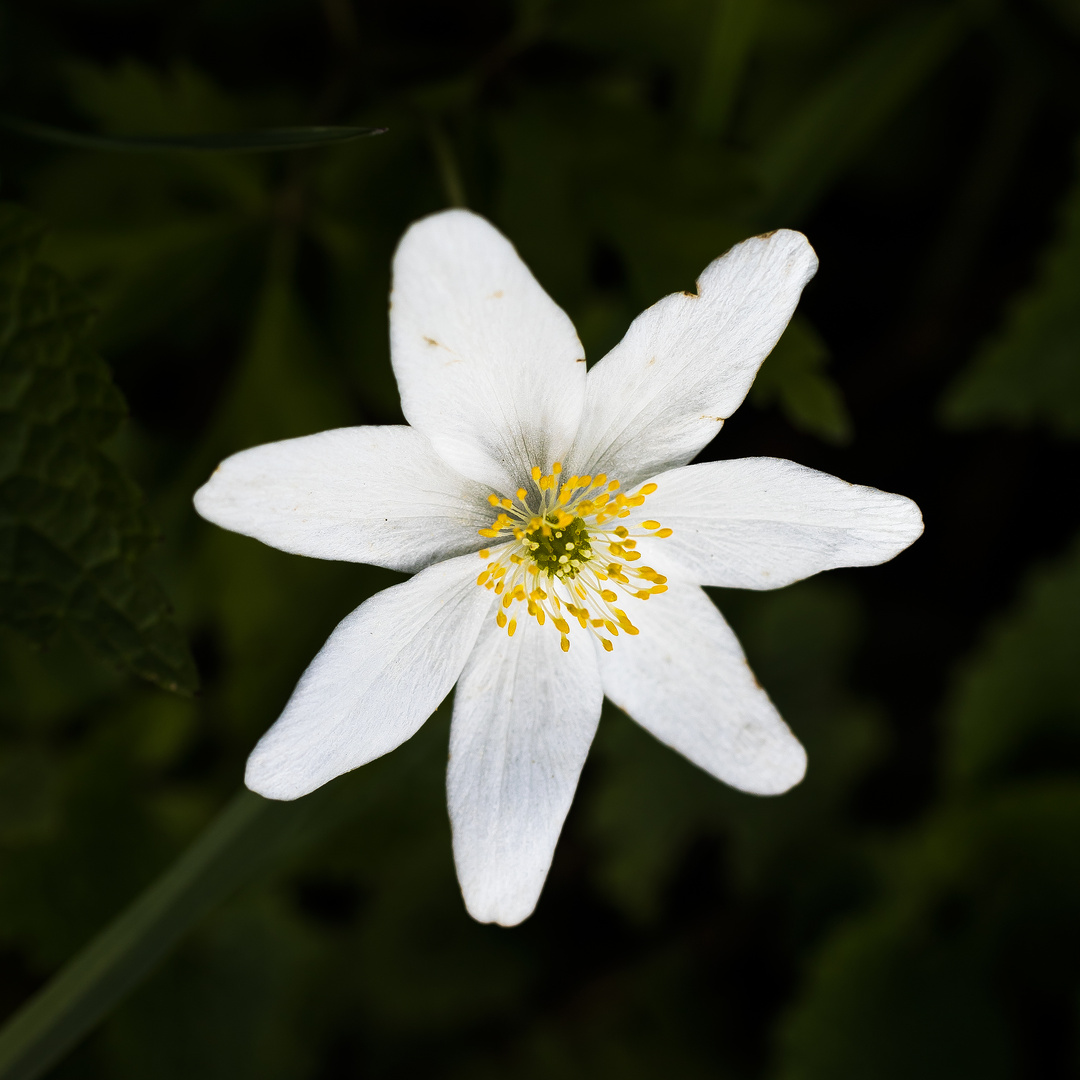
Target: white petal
point(376, 495)
point(379, 676)
point(687, 362)
point(524, 717)
point(685, 679)
point(490, 369)
point(759, 523)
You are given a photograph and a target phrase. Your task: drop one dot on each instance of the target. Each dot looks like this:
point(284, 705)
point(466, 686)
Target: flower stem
point(84, 991)
point(449, 172)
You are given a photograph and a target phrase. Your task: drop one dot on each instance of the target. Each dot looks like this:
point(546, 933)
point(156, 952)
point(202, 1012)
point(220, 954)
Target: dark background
point(910, 910)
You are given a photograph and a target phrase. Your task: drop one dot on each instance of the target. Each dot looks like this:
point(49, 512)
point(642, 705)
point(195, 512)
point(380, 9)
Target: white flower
point(558, 540)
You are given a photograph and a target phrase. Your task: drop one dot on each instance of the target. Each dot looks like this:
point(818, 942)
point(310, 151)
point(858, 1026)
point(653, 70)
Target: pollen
point(564, 547)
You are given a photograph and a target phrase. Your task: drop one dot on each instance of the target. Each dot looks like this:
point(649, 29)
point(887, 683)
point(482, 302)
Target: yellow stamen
point(557, 551)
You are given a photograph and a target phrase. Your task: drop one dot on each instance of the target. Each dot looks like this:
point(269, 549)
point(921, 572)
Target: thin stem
point(447, 163)
point(84, 991)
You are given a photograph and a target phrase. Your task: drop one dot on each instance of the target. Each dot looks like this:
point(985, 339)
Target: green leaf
point(73, 531)
point(727, 49)
point(650, 803)
point(1016, 706)
point(853, 105)
point(43, 1031)
point(794, 376)
point(267, 140)
point(983, 897)
point(1030, 372)
point(248, 835)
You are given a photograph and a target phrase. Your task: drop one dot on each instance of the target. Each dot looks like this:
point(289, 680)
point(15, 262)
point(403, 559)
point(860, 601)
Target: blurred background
point(911, 908)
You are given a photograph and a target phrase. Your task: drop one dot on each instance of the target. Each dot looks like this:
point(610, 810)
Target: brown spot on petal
point(766, 235)
point(430, 340)
point(496, 295)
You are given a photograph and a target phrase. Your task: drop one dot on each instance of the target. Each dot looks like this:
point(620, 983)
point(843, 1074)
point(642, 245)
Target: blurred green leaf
point(651, 803)
point(853, 106)
point(90, 985)
point(247, 835)
point(73, 532)
point(727, 50)
point(937, 980)
point(794, 376)
point(1016, 705)
point(1029, 373)
point(28, 794)
point(266, 140)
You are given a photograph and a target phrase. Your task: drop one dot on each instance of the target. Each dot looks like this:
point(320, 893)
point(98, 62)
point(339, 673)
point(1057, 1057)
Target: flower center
point(563, 558)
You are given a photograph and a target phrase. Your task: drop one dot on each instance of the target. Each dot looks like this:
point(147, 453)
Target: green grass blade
point(250, 835)
point(853, 106)
point(86, 989)
point(261, 141)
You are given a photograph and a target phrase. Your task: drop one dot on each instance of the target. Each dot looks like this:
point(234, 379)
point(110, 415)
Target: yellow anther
point(664, 534)
point(563, 544)
point(483, 553)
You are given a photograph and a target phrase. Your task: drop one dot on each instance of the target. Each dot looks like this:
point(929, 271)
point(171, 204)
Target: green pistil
point(556, 554)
